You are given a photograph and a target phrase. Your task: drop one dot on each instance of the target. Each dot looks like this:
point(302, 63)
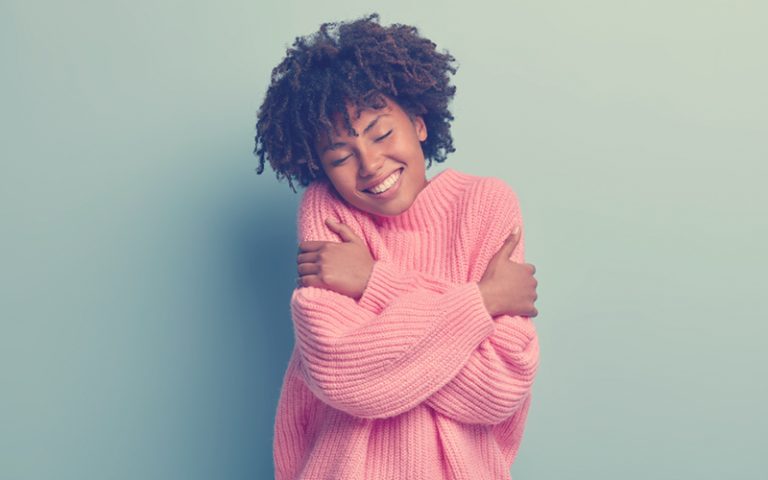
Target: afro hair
point(351, 63)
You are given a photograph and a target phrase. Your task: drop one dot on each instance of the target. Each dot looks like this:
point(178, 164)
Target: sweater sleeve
point(498, 377)
point(378, 365)
point(294, 411)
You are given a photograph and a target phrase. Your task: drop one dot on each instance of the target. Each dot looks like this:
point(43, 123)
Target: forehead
point(359, 120)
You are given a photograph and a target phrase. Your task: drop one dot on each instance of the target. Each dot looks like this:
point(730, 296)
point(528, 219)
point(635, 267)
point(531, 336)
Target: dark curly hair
point(355, 63)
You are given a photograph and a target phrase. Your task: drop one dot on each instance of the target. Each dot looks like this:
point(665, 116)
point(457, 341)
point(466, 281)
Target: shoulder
point(495, 211)
point(318, 202)
point(489, 196)
point(319, 194)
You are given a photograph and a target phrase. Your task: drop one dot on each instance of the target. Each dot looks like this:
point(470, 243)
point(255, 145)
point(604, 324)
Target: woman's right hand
point(509, 287)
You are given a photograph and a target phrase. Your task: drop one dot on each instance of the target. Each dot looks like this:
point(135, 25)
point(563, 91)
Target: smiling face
point(385, 153)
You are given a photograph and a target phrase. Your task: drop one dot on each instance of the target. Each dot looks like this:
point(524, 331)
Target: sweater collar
point(431, 205)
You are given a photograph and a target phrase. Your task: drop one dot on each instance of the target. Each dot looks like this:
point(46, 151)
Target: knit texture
point(415, 379)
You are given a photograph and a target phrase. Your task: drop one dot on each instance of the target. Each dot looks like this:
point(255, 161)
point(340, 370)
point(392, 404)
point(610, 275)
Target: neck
point(429, 206)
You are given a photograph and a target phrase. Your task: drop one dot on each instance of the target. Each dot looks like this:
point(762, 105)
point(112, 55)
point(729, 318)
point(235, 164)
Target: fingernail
point(516, 230)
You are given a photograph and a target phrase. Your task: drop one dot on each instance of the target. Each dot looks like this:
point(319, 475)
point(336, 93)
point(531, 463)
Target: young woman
point(414, 354)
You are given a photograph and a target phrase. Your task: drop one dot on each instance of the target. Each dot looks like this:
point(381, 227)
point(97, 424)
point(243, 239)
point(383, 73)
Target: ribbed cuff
point(384, 285)
point(474, 304)
point(422, 343)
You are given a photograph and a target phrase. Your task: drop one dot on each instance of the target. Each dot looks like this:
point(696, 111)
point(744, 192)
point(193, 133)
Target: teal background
point(146, 270)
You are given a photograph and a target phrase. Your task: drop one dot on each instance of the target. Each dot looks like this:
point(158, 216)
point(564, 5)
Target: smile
point(386, 184)
point(388, 188)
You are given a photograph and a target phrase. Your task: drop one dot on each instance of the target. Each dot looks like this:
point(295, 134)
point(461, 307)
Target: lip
point(389, 194)
point(380, 179)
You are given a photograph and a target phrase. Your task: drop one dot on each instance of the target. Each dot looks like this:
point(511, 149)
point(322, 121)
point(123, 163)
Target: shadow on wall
point(262, 260)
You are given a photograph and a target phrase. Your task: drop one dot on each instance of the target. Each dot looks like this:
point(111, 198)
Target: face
point(386, 154)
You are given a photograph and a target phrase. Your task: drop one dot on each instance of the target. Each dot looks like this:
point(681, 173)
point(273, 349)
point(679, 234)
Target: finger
point(346, 233)
point(511, 241)
point(308, 269)
point(309, 281)
point(312, 245)
point(307, 257)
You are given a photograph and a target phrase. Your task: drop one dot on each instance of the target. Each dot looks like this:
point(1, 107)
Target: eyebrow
point(337, 145)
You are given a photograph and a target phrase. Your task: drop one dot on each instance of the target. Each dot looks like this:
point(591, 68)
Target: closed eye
point(341, 160)
point(384, 136)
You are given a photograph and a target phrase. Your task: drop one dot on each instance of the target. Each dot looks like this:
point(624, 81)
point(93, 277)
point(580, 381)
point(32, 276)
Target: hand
point(342, 267)
point(509, 287)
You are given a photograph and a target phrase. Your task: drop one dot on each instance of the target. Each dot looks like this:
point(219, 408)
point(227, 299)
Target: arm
point(499, 374)
point(377, 365)
point(380, 365)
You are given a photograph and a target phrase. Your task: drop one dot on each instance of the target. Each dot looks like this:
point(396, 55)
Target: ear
point(421, 127)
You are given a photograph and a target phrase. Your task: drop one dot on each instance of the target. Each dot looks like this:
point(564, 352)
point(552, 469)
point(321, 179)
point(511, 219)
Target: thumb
point(343, 230)
point(511, 242)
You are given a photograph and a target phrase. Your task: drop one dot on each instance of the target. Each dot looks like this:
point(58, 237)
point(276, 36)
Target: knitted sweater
point(415, 379)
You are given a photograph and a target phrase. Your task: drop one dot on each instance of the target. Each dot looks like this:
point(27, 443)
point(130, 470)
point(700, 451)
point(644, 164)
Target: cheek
point(345, 182)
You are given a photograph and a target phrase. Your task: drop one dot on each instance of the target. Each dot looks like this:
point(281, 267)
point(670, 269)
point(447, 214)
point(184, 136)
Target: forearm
point(380, 365)
point(497, 375)
point(388, 282)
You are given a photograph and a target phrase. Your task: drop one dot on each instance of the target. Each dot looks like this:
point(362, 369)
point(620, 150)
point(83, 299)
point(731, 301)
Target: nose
point(370, 163)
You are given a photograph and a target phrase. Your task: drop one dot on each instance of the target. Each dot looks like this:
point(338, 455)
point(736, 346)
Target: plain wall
point(146, 270)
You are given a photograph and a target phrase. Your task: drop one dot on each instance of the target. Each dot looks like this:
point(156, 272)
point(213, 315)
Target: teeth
point(386, 184)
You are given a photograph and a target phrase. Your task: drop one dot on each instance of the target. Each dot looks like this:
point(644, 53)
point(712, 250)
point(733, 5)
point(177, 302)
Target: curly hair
point(351, 63)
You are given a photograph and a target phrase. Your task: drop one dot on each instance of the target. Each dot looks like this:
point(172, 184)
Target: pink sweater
point(415, 380)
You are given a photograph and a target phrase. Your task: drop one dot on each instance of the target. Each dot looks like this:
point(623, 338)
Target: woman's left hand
point(342, 267)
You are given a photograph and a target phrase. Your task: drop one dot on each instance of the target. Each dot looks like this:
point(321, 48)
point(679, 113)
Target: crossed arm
point(498, 374)
point(412, 338)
